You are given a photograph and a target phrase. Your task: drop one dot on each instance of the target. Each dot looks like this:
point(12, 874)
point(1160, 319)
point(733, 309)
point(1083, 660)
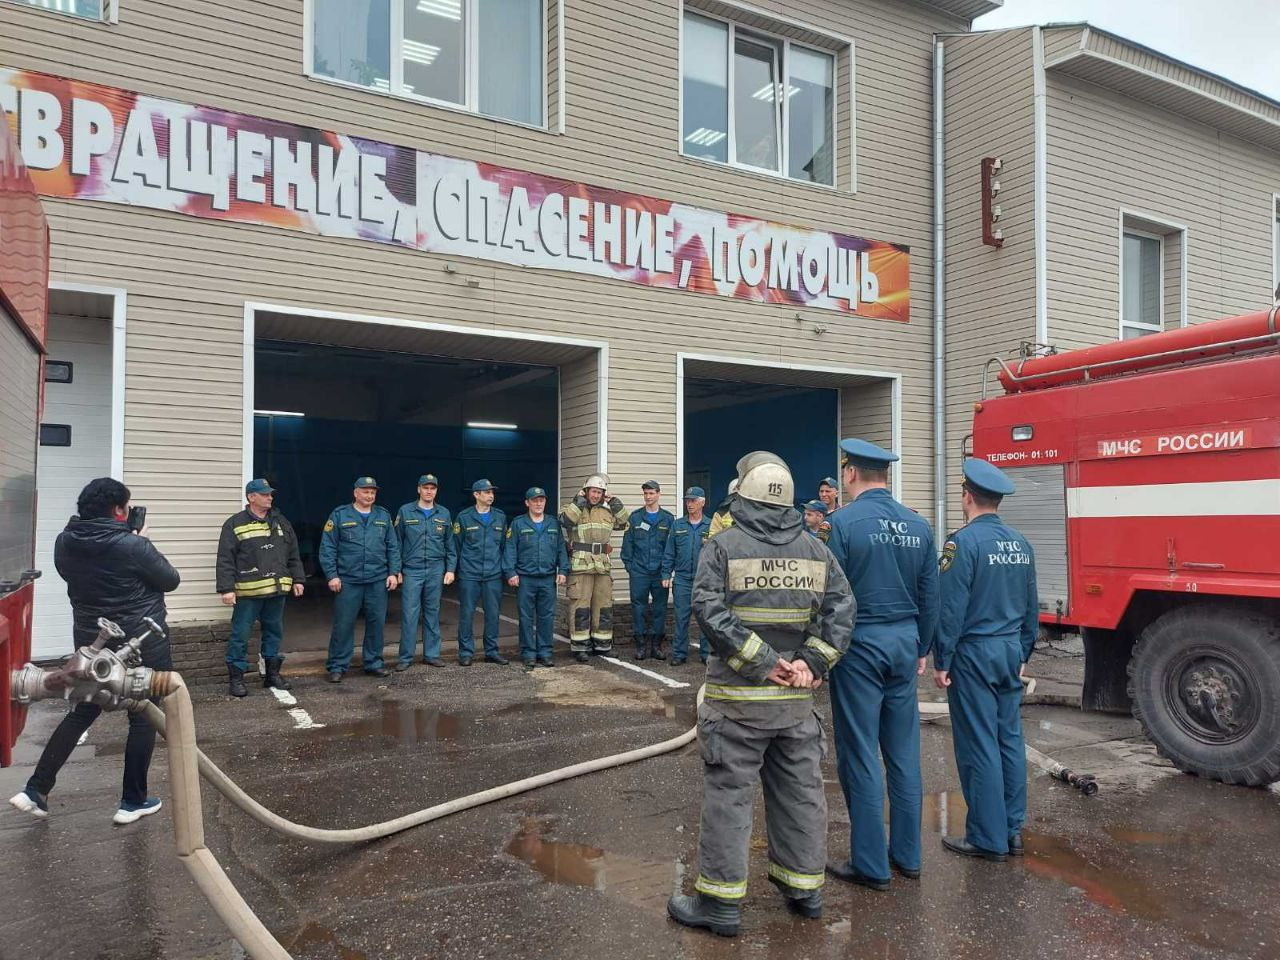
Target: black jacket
point(257, 558)
point(113, 573)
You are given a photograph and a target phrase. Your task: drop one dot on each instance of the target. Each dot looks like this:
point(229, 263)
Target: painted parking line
point(301, 719)
point(665, 681)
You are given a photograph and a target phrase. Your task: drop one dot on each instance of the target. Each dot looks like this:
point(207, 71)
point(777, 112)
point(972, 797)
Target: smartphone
point(137, 518)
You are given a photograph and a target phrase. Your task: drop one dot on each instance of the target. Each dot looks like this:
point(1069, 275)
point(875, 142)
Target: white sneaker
point(27, 804)
point(129, 812)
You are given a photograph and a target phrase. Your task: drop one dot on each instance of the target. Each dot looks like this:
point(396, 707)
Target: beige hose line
point(176, 723)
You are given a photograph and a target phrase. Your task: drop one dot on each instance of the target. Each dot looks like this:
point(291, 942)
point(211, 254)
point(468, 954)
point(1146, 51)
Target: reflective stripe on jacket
point(257, 557)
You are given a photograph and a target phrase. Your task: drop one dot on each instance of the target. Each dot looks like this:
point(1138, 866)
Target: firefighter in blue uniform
point(428, 554)
point(535, 561)
point(360, 557)
point(990, 618)
point(887, 552)
point(815, 519)
point(642, 548)
point(680, 563)
point(481, 532)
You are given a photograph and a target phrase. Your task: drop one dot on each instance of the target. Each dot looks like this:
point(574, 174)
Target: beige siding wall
point(579, 424)
point(1109, 153)
point(866, 411)
point(188, 280)
point(990, 292)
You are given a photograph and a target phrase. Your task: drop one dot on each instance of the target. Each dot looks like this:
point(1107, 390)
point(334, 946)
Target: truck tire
point(1205, 685)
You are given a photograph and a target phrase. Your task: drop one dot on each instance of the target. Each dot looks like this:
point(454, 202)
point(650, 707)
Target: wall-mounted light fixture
point(488, 425)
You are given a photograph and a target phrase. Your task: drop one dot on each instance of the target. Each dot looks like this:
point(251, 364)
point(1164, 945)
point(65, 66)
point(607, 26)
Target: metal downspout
point(939, 294)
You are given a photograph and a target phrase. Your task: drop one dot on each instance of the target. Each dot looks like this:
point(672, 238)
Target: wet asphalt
point(1158, 865)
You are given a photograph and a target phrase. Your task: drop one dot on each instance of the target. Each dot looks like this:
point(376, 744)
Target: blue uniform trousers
point(347, 604)
point(648, 619)
point(537, 599)
point(270, 610)
point(682, 593)
point(420, 603)
point(873, 705)
point(986, 724)
point(473, 593)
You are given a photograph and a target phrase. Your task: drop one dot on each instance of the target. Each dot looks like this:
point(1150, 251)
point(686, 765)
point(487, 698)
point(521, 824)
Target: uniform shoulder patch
point(948, 555)
point(328, 525)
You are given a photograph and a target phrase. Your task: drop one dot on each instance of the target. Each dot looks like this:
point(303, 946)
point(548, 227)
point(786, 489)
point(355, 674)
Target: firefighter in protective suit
point(779, 613)
point(588, 522)
point(722, 519)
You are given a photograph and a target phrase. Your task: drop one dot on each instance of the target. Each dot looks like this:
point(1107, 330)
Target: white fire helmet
point(733, 486)
point(598, 480)
point(768, 482)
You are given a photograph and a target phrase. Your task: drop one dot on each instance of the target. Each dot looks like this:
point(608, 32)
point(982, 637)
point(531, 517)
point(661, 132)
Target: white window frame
point(1158, 326)
point(471, 41)
point(784, 139)
point(110, 11)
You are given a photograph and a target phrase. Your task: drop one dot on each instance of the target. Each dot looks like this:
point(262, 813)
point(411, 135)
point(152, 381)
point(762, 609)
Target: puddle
point(642, 883)
point(314, 935)
point(399, 721)
point(1055, 857)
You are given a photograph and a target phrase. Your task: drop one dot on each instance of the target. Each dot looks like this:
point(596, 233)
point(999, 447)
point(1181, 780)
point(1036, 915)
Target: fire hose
point(116, 679)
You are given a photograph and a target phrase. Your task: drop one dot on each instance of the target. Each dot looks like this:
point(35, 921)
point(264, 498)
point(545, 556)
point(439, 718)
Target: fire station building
point(530, 239)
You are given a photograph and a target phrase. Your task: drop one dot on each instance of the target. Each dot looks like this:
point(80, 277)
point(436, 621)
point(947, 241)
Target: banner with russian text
point(90, 142)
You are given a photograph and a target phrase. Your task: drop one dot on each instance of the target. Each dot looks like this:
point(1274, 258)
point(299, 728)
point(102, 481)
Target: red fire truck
point(24, 284)
point(1148, 476)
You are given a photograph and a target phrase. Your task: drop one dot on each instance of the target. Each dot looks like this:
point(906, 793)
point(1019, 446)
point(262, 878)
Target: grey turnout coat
point(766, 591)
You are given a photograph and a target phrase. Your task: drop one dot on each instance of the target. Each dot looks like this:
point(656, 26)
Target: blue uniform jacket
point(988, 588)
point(644, 542)
point(359, 550)
point(425, 541)
point(480, 545)
point(887, 553)
point(531, 552)
point(684, 546)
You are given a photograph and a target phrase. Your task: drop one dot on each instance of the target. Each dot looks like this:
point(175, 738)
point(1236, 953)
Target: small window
point(768, 107)
point(58, 371)
point(1140, 281)
point(485, 56)
point(85, 9)
point(55, 434)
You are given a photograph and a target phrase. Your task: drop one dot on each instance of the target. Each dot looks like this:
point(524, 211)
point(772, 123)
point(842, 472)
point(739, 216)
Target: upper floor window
point(88, 9)
point(1141, 281)
point(757, 101)
point(485, 56)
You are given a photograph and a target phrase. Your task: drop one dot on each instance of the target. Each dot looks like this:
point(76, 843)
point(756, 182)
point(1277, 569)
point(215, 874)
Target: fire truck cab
point(1148, 476)
point(24, 285)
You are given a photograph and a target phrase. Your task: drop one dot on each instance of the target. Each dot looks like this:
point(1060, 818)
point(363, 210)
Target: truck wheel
point(1205, 684)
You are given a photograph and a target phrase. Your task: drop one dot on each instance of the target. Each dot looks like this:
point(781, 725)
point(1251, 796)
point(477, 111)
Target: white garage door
point(83, 406)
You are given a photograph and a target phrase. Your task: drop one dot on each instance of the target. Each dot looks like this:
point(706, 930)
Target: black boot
point(642, 647)
point(657, 647)
point(807, 903)
point(235, 685)
point(273, 678)
point(721, 917)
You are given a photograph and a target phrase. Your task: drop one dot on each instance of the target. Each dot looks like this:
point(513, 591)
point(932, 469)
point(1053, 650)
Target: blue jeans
point(472, 593)
point(347, 604)
point(648, 619)
point(420, 601)
point(873, 706)
point(270, 610)
point(537, 597)
point(682, 593)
